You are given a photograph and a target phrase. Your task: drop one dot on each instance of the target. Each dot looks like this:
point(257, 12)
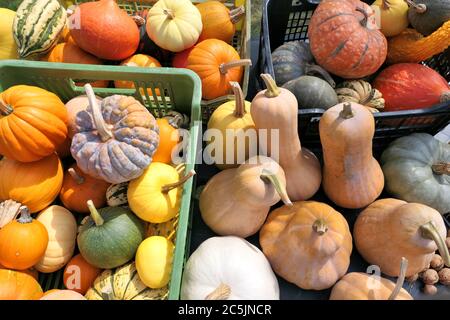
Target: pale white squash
point(62, 233)
point(228, 268)
point(174, 25)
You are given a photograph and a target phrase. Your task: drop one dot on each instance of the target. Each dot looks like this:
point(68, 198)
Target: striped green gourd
point(37, 26)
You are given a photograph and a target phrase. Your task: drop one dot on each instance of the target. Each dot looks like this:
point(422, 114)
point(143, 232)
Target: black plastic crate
point(288, 20)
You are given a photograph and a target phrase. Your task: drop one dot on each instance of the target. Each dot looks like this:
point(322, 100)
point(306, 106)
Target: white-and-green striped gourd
point(37, 26)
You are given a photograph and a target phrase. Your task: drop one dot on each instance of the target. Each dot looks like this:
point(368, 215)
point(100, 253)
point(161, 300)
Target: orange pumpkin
point(138, 60)
point(33, 123)
point(18, 286)
point(79, 187)
point(79, 275)
point(216, 63)
point(168, 140)
point(71, 53)
point(32, 272)
point(22, 242)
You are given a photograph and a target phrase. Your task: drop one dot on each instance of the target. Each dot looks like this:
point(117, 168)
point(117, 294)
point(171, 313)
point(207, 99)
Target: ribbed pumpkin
point(110, 236)
point(62, 233)
point(104, 30)
point(15, 285)
point(393, 16)
point(426, 16)
point(37, 26)
point(216, 63)
point(34, 184)
point(219, 21)
point(407, 86)
point(345, 39)
point(361, 92)
point(123, 284)
point(34, 111)
point(308, 244)
point(8, 47)
point(79, 187)
point(116, 141)
point(180, 59)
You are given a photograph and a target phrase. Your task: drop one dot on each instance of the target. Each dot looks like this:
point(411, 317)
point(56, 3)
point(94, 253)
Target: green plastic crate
point(241, 42)
point(180, 90)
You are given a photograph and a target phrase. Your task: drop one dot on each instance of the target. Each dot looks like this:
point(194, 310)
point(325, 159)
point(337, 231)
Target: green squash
point(116, 195)
point(312, 92)
point(417, 169)
point(110, 236)
point(426, 16)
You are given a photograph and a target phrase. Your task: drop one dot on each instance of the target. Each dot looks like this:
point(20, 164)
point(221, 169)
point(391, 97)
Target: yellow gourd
point(393, 15)
point(154, 261)
point(411, 46)
point(231, 117)
point(8, 48)
point(155, 196)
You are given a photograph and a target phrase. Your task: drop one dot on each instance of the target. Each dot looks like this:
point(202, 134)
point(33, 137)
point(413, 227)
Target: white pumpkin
point(62, 234)
point(228, 268)
point(174, 25)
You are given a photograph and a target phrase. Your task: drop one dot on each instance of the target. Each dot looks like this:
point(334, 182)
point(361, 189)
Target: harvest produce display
point(90, 190)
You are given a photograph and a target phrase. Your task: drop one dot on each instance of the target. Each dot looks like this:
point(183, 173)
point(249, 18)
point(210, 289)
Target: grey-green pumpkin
point(110, 236)
point(37, 26)
point(426, 16)
point(417, 169)
point(312, 92)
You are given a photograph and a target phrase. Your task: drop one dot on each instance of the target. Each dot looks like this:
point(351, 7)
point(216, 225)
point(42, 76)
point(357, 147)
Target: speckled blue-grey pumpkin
point(115, 141)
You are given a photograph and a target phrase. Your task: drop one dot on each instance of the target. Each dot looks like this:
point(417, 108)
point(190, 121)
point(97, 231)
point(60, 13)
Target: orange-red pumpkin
point(16, 285)
point(345, 39)
point(168, 140)
point(216, 63)
point(180, 59)
point(79, 275)
point(33, 123)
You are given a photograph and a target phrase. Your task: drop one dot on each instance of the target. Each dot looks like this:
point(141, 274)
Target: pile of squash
point(87, 187)
point(173, 33)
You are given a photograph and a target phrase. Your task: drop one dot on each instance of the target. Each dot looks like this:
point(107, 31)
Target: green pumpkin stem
point(166, 188)
point(420, 8)
point(5, 109)
point(366, 16)
point(75, 176)
point(95, 215)
point(25, 216)
point(239, 110)
point(279, 188)
point(9, 209)
point(99, 122)
point(272, 90)
point(320, 226)
point(441, 168)
point(237, 14)
point(224, 67)
point(347, 111)
point(400, 279)
point(222, 292)
point(430, 231)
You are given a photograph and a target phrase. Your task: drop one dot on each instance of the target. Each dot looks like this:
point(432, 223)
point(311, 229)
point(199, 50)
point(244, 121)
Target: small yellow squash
point(8, 47)
point(393, 15)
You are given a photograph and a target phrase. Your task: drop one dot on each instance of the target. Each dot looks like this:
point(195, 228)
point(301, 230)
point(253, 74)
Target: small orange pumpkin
point(216, 63)
point(79, 275)
point(32, 272)
point(79, 187)
point(16, 285)
point(22, 242)
point(168, 140)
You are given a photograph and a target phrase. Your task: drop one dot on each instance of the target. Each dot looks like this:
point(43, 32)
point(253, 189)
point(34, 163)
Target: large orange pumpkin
point(217, 63)
point(16, 285)
point(345, 39)
point(33, 122)
point(32, 272)
point(79, 275)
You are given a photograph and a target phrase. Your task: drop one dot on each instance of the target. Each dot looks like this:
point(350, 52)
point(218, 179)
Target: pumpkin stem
point(268, 177)
point(441, 168)
point(166, 188)
point(9, 209)
point(95, 215)
point(315, 69)
point(224, 67)
point(78, 178)
point(400, 279)
point(169, 13)
point(429, 231)
point(272, 90)
point(5, 109)
point(140, 21)
point(320, 226)
point(445, 97)
point(100, 125)
point(25, 216)
point(237, 14)
point(420, 8)
point(366, 16)
point(222, 292)
point(385, 4)
point(239, 110)
point(347, 111)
